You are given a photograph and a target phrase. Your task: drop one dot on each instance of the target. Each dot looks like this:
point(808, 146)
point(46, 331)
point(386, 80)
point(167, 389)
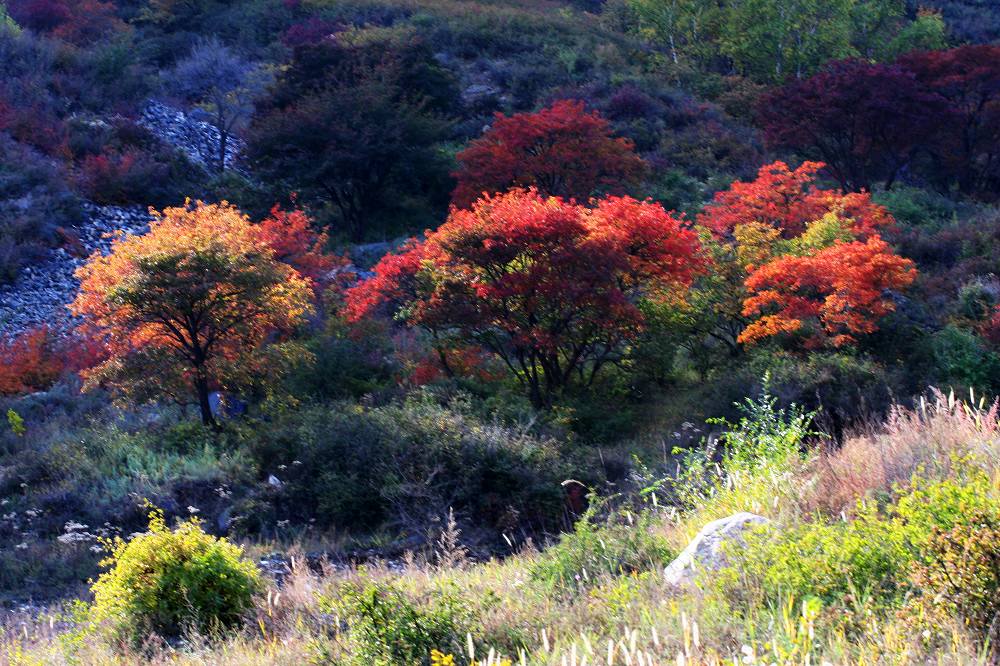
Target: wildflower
point(21, 546)
point(193, 510)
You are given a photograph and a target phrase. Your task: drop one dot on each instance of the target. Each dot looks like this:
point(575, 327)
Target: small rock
point(706, 550)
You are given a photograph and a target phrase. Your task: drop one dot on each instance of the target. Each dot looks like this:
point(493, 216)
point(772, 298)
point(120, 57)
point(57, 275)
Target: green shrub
point(828, 561)
point(621, 544)
point(387, 628)
point(359, 468)
point(931, 507)
point(961, 575)
point(765, 434)
point(874, 552)
point(917, 207)
point(170, 581)
point(962, 360)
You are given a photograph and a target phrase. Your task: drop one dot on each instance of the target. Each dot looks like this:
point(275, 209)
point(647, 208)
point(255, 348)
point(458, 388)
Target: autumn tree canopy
point(549, 286)
point(866, 121)
point(835, 293)
point(933, 114)
point(968, 77)
point(802, 260)
point(188, 307)
point(787, 200)
point(562, 151)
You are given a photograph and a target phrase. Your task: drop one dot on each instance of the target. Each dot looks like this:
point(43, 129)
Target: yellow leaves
point(755, 242)
point(198, 295)
point(822, 233)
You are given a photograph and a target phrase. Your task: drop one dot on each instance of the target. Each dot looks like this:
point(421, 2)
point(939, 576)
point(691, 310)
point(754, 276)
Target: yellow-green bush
point(170, 581)
point(388, 628)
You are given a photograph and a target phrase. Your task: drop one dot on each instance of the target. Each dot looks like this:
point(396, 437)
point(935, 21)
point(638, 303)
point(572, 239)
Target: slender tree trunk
point(223, 144)
point(201, 386)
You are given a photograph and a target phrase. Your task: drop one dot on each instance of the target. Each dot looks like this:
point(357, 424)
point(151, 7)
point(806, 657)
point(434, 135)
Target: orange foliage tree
point(549, 287)
point(807, 260)
point(787, 200)
point(189, 306)
point(562, 151)
point(836, 293)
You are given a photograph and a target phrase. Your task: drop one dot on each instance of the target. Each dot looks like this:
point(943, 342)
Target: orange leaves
point(813, 258)
point(29, 362)
point(844, 287)
point(786, 200)
point(562, 151)
point(192, 301)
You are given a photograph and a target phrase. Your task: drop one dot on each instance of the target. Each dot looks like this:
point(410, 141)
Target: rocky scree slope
point(41, 292)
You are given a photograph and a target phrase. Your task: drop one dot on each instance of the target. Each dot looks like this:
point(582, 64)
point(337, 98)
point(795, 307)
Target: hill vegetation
point(453, 322)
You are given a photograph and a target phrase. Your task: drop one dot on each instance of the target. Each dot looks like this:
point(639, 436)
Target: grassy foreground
point(881, 550)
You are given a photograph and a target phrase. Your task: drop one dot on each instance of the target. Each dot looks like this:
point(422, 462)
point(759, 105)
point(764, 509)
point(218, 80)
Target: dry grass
point(615, 620)
point(928, 439)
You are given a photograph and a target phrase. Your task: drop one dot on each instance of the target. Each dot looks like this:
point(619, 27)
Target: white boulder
point(707, 551)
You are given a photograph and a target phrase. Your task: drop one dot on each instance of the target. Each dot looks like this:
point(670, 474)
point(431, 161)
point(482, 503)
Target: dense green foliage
point(172, 581)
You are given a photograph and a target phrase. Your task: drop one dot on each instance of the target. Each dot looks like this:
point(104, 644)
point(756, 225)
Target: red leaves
point(865, 120)
point(785, 199)
point(562, 151)
point(394, 283)
point(547, 285)
point(291, 237)
point(29, 362)
point(968, 77)
point(871, 122)
point(844, 287)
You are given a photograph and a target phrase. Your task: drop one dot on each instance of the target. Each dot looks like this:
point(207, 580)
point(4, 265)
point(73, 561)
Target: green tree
point(688, 28)
point(770, 40)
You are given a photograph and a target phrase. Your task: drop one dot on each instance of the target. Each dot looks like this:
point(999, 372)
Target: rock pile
point(198, 140)
point(41, 292)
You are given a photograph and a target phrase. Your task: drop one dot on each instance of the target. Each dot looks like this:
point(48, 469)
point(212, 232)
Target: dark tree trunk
point(201, 386)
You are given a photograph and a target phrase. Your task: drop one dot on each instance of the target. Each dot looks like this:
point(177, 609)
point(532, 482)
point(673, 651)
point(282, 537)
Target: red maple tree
point(866, 121)
point(968, 77)
point(563, 150)
point(548, 286)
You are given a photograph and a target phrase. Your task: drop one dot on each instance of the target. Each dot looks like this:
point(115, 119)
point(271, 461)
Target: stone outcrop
point(42, 291)
point(707, 551)
point(198, 140)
